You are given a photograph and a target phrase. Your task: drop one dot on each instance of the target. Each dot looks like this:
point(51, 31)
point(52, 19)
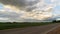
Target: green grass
point(19, 25)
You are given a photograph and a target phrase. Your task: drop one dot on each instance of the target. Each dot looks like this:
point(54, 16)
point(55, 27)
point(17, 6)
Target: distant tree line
point(56, 21)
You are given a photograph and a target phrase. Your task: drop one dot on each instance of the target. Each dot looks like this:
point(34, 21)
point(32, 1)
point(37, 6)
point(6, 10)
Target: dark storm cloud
point(13, 2)
point(22, 4)
point(30, 8)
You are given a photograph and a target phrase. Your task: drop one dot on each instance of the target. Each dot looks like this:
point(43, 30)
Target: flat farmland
point(31, 30)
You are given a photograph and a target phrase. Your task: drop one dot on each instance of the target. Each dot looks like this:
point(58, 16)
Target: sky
point(28, 10)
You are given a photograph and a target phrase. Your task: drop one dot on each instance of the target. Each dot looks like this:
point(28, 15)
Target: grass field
point(9, 25)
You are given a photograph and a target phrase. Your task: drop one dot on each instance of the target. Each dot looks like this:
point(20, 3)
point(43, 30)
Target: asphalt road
point(30, 30)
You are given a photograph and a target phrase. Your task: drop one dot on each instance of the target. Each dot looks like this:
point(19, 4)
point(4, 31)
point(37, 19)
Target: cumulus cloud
point(9, 15)
point(22, 4)
point(29, 9)
point(27, 5)
point(19, 2)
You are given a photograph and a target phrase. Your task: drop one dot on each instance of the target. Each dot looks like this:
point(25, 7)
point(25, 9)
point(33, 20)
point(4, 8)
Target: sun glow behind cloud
point(29, 15)
point(38, 11)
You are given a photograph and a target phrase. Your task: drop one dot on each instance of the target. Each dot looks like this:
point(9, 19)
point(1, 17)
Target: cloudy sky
point(28, 10)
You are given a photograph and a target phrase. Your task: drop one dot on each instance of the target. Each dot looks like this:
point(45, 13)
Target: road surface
point(30, 30)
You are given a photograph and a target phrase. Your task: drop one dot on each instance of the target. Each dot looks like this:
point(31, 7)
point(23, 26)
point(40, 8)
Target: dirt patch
point(56, 31)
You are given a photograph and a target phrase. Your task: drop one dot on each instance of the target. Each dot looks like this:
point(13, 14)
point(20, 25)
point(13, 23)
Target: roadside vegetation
point(9, 25)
